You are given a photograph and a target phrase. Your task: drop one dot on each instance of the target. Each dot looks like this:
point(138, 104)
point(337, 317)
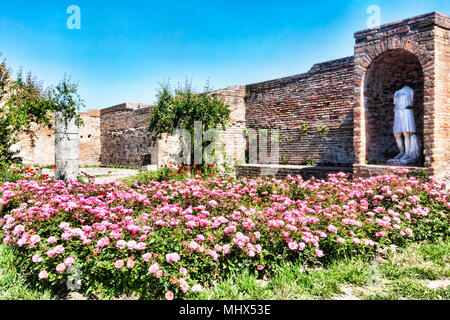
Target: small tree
point(26, 105)
point(182, 107)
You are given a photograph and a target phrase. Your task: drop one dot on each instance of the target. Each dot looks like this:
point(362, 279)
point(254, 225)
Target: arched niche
point(386, 74)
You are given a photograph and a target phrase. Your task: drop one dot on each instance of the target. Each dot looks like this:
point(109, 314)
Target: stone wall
point(43, 151)
point(124, 136)
point(320, 98)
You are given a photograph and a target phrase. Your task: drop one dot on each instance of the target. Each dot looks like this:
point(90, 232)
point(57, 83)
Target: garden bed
point(172, 239)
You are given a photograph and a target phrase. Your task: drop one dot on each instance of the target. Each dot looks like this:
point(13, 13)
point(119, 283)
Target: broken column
point(66, 147)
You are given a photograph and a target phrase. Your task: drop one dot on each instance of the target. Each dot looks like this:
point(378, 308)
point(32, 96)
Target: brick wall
point(231, 142)
point(89, 138)
point(398, 42)
point(124, 136)
point(281, 172)
point(321, 97)
point(43, 152)
point(442, 94)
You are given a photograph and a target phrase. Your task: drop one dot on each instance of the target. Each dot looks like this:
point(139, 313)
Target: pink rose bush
point(170, 238)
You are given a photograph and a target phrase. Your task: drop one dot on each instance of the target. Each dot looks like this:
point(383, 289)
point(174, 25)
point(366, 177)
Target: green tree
point(182, 107)
point(26, 105)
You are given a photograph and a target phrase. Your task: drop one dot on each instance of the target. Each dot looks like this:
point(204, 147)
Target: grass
point(13, 284)
point(402, 275)
point(146, 177)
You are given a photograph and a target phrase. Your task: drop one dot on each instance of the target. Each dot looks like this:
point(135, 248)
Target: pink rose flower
point(36, 258)
point(130, 264)
point(121, 244)
point(69, 261)
point(147, 256)
point(61, 267)
point(118, 264)
point(169, 295)
point(197, 288)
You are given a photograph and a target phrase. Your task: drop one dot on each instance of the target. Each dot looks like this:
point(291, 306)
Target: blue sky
point(124, 48)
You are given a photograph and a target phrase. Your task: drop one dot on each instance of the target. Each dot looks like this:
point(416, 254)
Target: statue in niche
point(405, 128)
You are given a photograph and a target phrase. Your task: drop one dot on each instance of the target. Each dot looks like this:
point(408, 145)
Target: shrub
point(177, 172)
point(165, 238)
point(10, 172)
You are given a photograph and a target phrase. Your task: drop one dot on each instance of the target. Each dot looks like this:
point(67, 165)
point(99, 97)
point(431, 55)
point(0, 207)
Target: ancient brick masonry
point(339, 114)
point(125, 139)
point(124, 136)
point(89, 138)
point(43, 152)
point(321, 98)
point(421, 44)
point(231, 143)
point(442, 91)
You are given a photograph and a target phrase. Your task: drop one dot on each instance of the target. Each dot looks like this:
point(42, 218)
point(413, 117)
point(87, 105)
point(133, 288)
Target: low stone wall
point(366, 171)
point(282, 171)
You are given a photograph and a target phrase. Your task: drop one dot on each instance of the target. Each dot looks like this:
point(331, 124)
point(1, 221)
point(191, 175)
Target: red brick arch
point(387, 73)
point(365, 56)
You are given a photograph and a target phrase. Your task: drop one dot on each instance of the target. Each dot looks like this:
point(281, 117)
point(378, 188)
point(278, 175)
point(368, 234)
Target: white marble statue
point(405, 127)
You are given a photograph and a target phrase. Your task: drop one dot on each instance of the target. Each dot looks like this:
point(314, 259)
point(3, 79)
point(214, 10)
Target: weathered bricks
point(321, 97)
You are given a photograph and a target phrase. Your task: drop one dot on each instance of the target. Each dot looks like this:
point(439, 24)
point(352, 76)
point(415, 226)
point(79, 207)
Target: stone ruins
point(339, 115)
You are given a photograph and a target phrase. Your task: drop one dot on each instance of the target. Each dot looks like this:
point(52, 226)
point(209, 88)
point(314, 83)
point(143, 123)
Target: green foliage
point(308, 162)
point(182, 107)
point(304, 127)
point(145, 178)
point(322, 129)
point(419, 173)
point(175, 172)
point(13, 282)
point(26, 105)
point(65, 99)
point(10, 172)
point(277, 138)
